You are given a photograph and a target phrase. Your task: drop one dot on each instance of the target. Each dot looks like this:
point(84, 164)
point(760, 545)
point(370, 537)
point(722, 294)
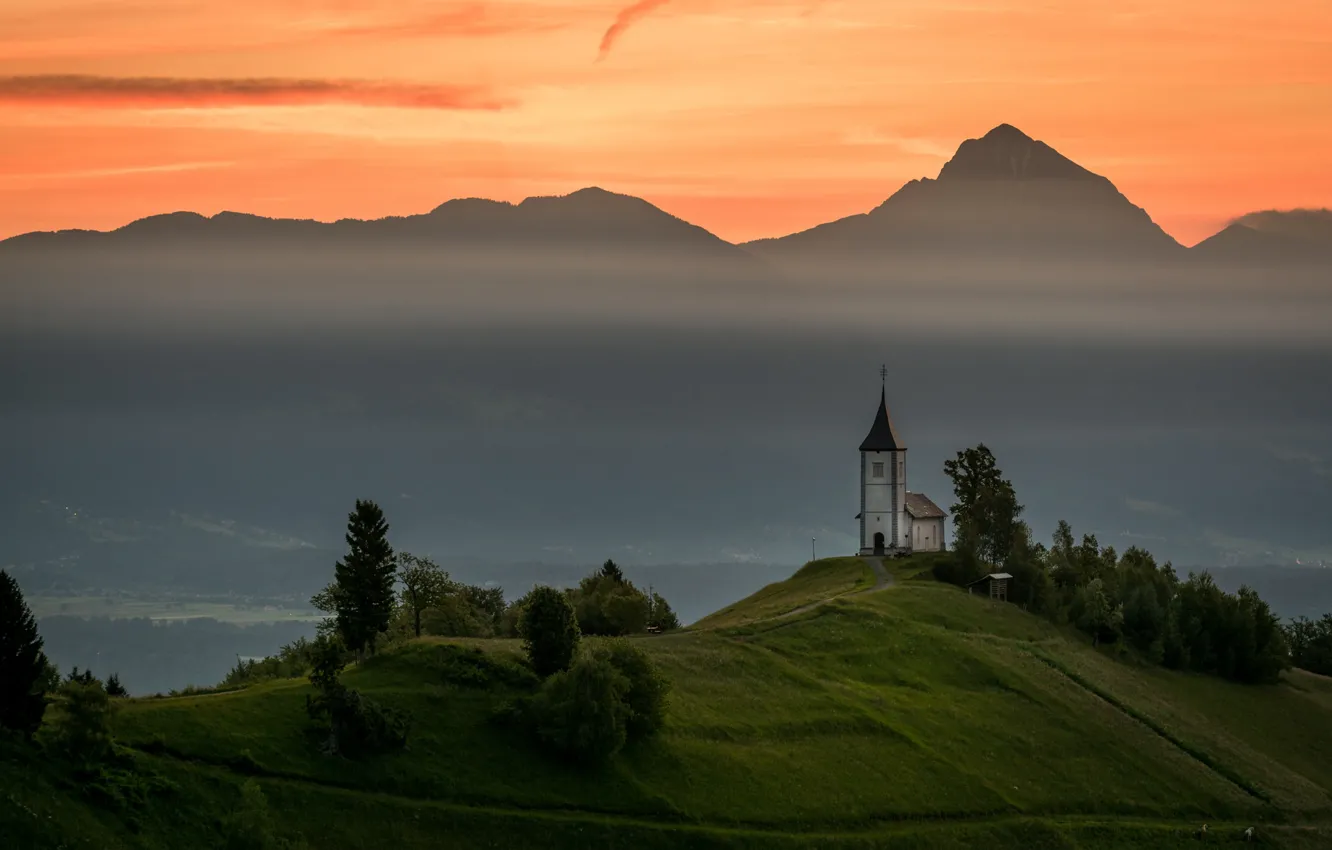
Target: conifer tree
point(365, 578)
point(22, 663)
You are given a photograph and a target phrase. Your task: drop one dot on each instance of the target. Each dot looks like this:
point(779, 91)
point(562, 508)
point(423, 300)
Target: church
point(893, 520)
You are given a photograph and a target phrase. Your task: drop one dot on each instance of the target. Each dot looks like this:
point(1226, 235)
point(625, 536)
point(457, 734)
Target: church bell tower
point(884, 526)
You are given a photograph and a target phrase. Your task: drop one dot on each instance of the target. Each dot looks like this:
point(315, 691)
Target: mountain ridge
point(1003, 194)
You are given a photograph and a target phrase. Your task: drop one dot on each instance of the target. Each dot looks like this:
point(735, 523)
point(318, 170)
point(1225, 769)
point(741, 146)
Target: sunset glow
point(749, 117)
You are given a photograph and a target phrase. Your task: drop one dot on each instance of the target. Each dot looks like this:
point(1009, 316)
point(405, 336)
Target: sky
point(751, 118)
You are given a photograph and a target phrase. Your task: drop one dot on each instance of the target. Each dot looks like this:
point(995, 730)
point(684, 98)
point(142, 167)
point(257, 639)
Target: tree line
point(1126, 600)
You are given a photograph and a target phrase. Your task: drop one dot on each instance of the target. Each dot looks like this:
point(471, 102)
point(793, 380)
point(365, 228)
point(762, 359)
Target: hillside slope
point(835, 709)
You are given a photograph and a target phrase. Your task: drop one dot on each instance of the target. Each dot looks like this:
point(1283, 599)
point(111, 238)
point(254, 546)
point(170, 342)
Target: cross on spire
point(883, 374)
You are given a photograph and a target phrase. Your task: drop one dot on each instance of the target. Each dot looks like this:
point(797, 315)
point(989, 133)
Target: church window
point(878, 469)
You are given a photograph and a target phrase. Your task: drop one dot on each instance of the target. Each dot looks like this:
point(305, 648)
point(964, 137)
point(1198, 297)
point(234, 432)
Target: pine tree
point(365, 578)
point(22, 662)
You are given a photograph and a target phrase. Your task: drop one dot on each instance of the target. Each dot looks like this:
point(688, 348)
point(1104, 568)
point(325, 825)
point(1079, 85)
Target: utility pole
point(812, 555)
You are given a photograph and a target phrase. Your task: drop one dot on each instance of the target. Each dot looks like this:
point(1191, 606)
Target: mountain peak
point(1007, 153)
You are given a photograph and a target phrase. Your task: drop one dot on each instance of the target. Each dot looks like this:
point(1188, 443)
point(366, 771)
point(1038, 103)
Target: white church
point(893, 520)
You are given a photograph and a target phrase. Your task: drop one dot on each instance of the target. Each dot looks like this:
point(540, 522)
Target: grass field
point(913, 716)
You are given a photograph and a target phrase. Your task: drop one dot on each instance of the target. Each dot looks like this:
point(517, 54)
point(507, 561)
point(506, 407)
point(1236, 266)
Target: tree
point(364, 578)
point(986, 511)
point(424, 584)
point(581, 712)
point(549, 629)
point(612, 571)
point(660, 614)
point(645, 694)
point(81, 726)
point(1097, 615)
point(23, 665)
point(1311, 644)
point(114, 688)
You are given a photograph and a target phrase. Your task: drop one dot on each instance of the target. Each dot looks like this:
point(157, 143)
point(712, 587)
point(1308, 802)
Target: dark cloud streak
point(627, 17)
point(177, 92)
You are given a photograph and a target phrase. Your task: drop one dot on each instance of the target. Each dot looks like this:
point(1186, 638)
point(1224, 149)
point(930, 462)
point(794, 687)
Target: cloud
point(627, 17)
point(203, 92)
point(1315, 464)
point(92, 173)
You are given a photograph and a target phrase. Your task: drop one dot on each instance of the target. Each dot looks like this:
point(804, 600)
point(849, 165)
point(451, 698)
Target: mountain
point(1271, 238)
point(1004, 195)
point(588, 220)
point(843, 708)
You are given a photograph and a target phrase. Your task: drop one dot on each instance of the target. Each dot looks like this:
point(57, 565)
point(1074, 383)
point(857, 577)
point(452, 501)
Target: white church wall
point(927, 535)
point(879, 503)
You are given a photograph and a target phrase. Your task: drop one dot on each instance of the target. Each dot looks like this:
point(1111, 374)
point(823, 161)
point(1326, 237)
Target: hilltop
point(845, 707)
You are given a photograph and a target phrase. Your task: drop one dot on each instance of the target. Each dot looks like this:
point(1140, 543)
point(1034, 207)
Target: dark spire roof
point(882, 437)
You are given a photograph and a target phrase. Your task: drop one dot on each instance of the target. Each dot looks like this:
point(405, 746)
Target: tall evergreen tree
point(22, 663)
point(365, 578)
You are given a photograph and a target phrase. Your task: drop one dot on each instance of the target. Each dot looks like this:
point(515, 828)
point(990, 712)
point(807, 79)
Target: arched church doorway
point(878, 542)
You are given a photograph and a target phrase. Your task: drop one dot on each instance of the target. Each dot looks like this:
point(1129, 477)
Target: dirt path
point(882, 581)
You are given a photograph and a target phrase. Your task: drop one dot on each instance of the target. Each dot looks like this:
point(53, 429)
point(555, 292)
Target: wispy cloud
point(203, 92)
point(1316, 464)
point(627, 17)
point(93, 173)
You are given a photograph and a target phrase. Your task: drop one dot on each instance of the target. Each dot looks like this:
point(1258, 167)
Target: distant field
point(166, 609)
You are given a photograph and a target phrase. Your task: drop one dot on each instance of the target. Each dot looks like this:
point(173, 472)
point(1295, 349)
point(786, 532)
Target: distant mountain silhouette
point(1002, 195)
point(1271, 238)
point(588, 220)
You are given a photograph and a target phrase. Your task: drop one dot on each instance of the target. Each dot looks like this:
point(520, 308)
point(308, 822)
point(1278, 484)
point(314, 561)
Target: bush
point(470, 667)
point(549, 630)
point(581, 713)
point(357, 726)
point(80, 725)
point(249, 826)
point(291, 662)
point(645, 696)
point(959, 568)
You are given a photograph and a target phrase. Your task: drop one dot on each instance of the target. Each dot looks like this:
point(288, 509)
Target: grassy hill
point(843, 708)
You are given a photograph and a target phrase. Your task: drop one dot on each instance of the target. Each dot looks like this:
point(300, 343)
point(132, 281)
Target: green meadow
point(838, 709)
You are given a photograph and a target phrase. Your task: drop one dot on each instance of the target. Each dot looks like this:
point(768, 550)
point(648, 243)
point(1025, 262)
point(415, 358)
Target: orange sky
point(749, 117)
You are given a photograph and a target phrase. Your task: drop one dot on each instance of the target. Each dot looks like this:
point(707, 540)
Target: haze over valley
point(531, 388)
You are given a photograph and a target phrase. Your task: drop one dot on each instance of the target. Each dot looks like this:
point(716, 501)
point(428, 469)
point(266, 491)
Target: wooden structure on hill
point(995, 583)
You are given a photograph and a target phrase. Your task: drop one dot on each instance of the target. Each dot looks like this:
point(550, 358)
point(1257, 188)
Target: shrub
point(549, 630)
point(959, 567)
point(645, 696)
point(470, 667)
point(581, 713)
point(291, 661)
point(80, 725)
point(357, 726)
point(249, 826)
